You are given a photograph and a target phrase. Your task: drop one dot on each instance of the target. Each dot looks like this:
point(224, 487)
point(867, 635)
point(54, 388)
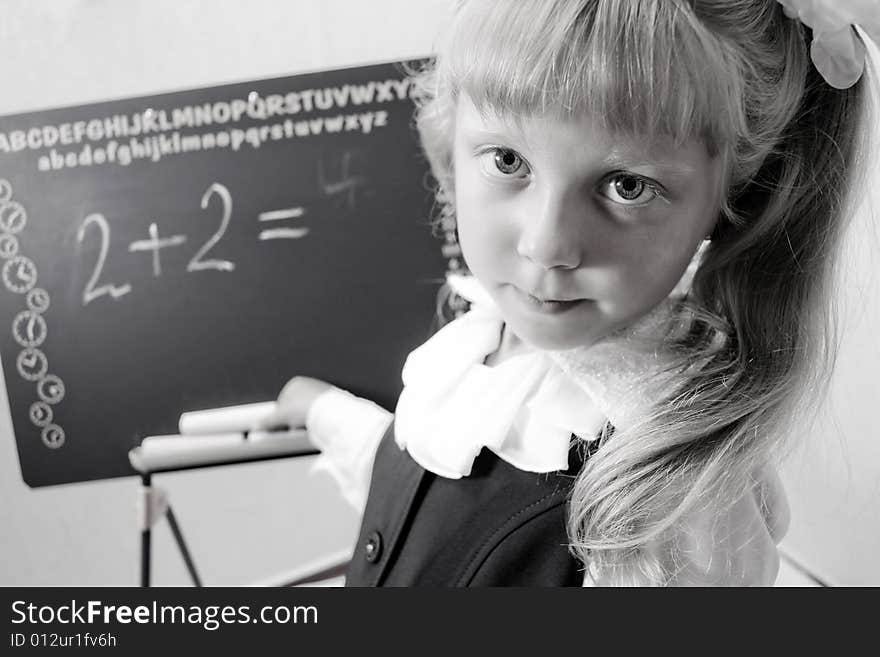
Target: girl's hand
point(294, 402)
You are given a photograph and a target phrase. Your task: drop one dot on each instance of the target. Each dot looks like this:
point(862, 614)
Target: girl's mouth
point(548, 306)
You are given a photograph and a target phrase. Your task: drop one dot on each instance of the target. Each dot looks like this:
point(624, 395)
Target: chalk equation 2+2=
point(154, 244)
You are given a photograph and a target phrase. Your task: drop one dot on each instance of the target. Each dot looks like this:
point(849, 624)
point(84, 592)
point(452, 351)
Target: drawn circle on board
point(13, 217)
point(8, 246)
point(51, 389)
point(38, 300)
point(29, 329)
point(19, 274)
point(40, 413)
point(32, 364)
point(5, 190)
point(53, 436)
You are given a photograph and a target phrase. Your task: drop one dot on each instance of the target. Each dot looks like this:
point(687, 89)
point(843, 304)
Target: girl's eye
point(504, 163)
point(633, 190)
point(507, 162)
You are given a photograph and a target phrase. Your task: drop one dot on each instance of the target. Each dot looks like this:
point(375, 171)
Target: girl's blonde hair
point(736, 75)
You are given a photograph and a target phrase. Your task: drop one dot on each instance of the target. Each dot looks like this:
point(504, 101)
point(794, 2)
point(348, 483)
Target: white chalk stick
point(224, 420)
point(157, 453)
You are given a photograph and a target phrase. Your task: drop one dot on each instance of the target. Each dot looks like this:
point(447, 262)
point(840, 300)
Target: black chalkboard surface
point(196, 249)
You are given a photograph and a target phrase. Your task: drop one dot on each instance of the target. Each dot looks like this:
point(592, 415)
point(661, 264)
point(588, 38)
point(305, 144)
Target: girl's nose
point(552, 231)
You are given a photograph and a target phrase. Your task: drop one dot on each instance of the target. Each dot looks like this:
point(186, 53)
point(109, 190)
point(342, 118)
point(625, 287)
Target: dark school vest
point(499, 526)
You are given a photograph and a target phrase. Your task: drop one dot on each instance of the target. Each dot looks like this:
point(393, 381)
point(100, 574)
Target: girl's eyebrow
point(491, 133)
point(510, 139)
point(662, 156)
point(668, 167)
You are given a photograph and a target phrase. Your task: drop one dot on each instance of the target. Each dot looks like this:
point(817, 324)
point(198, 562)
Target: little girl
point(649, 196)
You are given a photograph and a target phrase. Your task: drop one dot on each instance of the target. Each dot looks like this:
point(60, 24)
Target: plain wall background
point(251, 523)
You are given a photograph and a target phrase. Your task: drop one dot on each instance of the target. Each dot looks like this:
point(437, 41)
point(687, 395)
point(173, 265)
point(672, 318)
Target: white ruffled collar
point(526, 408)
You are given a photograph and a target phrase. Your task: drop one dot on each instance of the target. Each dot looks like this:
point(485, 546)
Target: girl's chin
point(548, 338)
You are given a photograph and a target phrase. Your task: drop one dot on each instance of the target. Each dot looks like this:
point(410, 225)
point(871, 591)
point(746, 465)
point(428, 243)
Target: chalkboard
point(196, 249)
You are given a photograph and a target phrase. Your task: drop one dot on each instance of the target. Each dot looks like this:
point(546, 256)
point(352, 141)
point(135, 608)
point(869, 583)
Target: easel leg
point(145, 558)
point(146, 526)
point(154, 505)
point(175, 529)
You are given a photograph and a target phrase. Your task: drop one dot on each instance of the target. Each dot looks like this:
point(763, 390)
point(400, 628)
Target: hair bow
point(837, 51)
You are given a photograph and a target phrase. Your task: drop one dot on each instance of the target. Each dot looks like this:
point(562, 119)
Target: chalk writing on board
point(257, 107)
point(51, 389)
point(8, 245)
point(283, 233)
point(19, 274)
point(347, 183)
point(40, 414)
point(93, 291)
point(344, 187)
point(13, 217)
point(160, 128)
point(52, 436)
point(197, 264)
point(286, 213)
point(29, 328)
point(157, 147)
point(155, 244)
point(32, 364)
point(38, 300)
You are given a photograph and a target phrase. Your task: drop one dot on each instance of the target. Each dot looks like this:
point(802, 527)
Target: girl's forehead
point(667, 75)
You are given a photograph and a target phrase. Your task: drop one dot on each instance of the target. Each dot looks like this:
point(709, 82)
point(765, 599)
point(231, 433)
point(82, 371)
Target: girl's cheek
point(502, 236)
point(477, 236)
point(485, 219)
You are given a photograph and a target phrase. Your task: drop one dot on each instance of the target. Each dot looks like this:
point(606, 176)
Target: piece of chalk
point(223, 420)
point(177, 442)
point(158, 453)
